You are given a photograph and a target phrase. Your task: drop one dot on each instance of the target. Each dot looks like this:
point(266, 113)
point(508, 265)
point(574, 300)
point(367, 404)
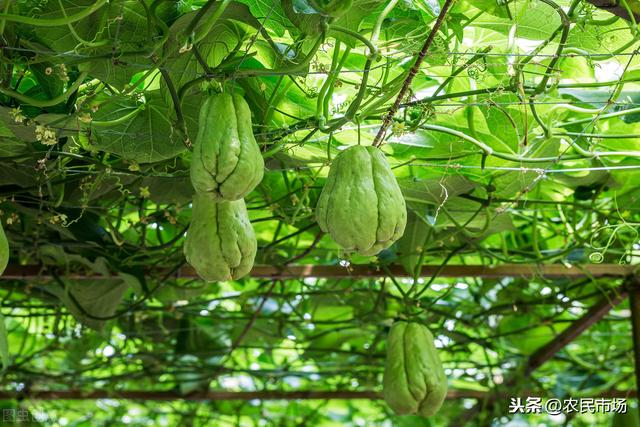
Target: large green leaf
point(413, 241)
point(116, 38)
point(91, 302)
point(141, 130)
point(182, 64)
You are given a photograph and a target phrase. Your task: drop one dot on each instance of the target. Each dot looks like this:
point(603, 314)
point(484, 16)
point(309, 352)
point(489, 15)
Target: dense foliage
point(517, 142)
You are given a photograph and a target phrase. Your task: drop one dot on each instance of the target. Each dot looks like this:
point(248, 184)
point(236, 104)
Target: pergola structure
point(512, 129)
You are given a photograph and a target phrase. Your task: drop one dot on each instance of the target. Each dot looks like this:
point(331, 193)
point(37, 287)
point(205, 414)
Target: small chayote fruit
point(361, 205)
point(220, 243)
point(414, 380)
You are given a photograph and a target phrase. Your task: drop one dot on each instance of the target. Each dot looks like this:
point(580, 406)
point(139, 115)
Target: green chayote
point(226, 160)
point(414, 380)
point(220, 242)
point(361, 205)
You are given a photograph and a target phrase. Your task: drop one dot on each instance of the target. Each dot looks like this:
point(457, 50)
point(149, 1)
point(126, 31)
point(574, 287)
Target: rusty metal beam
point(238, 395)
point(29, 272)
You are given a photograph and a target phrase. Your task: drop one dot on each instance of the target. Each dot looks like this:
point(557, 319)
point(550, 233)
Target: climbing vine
point(512, 128)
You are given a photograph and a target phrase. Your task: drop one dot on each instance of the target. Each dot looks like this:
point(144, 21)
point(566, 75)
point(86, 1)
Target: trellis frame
point(630, 287)
point(597, 312)
point(32, 272)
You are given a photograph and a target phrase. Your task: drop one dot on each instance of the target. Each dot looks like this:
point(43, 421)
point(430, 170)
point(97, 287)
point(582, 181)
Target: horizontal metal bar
point(27, 272)
point(240, 395)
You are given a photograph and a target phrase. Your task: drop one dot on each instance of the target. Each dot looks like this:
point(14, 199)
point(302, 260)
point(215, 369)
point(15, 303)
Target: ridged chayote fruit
point(4, 250)
point(220, 242)
point(414, 381)
point(226, 160)
point(361, 205)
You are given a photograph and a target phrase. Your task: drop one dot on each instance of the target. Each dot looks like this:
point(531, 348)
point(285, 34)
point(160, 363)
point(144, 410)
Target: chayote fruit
point(220, 242)
point(414, 381)
point(4, 250)
point(226, 160)
point(361, 205)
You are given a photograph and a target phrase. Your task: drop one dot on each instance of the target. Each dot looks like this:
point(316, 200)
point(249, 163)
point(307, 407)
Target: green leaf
point(12, 129)
point(435, 192)
point(90, 301)
point(116, 38)
point(220, 43)
point(412, 241)
point(140, 130)
point(526, 333)
point(271, 10)
point(505, 124)
point(301, 14)
point(510, 183)
point(61, 39)
point(600, 39)
point(532, 19)
point(11, 147)
point(170, 293)
point(493, 7)
point(17, 174)
point(166, 189)
point(49, 79)
point(357, 13)
point(411, 421)
point(5, 132)
point(537, 22)
point(327, 338)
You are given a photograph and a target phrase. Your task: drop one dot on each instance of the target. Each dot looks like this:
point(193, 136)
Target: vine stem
point(209, 22)
point(3, 21)
point(180, 123)
point(236, 342)
point(48, 102)
point(412, 73)
point(52, 22)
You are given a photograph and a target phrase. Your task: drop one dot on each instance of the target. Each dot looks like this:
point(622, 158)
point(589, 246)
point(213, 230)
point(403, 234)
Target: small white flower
point(45, 135)
point(16, 115)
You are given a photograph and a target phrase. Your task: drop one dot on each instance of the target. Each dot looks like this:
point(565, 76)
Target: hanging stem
point(3, 21)
point(460, 69)
point(412, 73)
point(564, 27)
point(180, 123)
point(207, 23)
